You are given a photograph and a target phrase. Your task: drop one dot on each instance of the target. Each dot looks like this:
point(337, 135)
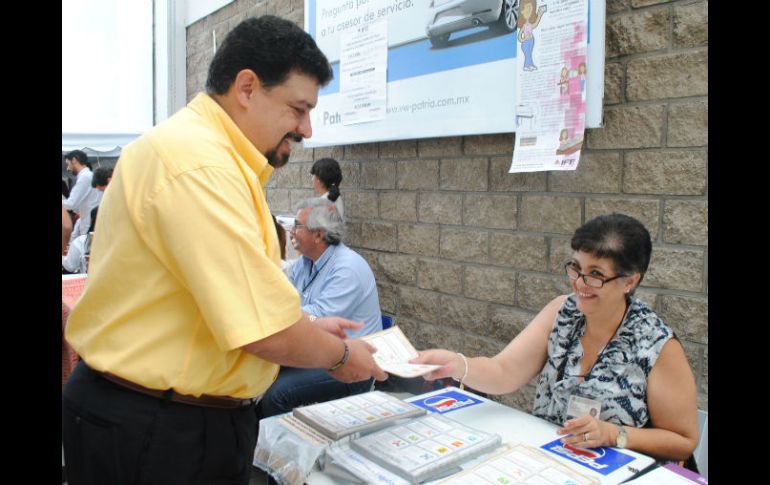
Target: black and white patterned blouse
point(618, 379)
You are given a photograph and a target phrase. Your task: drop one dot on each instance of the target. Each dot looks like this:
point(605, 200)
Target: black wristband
point(342, 361)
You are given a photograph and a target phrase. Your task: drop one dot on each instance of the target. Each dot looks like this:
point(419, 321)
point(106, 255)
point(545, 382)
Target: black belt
point(204, 400)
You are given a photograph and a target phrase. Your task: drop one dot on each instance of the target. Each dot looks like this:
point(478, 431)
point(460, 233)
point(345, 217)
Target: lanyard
point(313, 277)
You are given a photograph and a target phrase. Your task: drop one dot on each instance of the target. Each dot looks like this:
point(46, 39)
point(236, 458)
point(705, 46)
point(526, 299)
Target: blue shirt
point(340, 284)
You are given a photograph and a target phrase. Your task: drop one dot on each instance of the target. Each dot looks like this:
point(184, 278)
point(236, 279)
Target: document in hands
point(394, 352)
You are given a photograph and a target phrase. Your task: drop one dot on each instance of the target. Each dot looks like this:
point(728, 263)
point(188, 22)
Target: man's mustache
point(294, 136)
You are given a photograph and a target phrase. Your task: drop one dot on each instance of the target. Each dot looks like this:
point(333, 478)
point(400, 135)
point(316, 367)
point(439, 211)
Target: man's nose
point(304, 128)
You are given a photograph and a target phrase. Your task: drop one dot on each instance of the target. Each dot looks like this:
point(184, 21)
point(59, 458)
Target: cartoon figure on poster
point(567, 145)
point(528, 20)
point(564, 81)
point(582, 76)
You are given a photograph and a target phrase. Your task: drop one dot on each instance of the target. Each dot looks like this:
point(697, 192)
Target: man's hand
point(336, 325)
point(360, 365)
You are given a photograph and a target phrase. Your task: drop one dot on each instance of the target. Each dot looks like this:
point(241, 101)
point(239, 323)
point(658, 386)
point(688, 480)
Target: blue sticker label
point(602, 460)
point(446, 402)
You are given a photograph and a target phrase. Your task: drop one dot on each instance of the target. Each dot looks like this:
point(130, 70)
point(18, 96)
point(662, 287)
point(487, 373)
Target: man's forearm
point(301, 345)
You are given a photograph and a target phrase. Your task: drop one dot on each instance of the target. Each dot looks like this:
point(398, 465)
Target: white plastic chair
point(701, 452)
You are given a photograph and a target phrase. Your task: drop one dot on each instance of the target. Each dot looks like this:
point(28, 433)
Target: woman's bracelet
point(465, 374)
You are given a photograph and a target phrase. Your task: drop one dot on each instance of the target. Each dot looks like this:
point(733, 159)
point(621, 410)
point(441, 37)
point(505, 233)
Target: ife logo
point(602, 460)
point(446, 402)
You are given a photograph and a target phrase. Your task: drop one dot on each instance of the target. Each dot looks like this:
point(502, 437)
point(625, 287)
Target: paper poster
point(552, 85)
point(363, 69)
point(438, 85)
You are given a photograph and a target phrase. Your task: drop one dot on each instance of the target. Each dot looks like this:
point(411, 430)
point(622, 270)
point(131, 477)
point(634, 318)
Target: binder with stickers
point(425, 448)
point(359, 413)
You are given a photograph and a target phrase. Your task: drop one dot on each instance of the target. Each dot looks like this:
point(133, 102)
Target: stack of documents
point(362, 412)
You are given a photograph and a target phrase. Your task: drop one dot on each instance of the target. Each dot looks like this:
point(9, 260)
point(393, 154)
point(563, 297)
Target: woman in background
point(326, 181)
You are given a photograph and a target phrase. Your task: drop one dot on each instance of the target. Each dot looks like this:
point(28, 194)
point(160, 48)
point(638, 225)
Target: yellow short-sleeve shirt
point(185, 265)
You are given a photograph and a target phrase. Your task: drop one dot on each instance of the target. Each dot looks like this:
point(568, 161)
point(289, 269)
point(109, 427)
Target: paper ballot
point(394, 352)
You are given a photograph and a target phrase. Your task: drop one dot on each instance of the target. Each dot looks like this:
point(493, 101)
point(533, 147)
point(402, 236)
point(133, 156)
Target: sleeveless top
point(618, 379)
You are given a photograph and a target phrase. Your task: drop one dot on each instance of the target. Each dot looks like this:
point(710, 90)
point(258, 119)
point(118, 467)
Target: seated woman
point(602, 343)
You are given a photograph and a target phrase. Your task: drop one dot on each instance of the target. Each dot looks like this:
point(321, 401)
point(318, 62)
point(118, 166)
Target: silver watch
point(622, 439)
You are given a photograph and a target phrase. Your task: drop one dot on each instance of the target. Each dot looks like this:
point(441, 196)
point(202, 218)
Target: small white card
point(394, 352)
point(580, 406)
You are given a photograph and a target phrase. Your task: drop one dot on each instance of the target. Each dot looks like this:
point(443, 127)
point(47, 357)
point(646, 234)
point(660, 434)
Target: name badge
point(580, 406)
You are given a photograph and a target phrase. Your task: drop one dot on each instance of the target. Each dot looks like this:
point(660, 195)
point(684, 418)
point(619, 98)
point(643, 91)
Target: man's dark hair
point(329, 173)
point(270, 46)
point(79, 155)
point(618, 237)
point(101, 177)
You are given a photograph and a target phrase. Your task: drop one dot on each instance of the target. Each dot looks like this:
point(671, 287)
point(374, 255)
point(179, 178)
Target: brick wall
point(466, 254)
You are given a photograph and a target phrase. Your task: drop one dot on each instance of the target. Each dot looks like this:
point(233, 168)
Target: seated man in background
point(76, 260)
point(331, 279)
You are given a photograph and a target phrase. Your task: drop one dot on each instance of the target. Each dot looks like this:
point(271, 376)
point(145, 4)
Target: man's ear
point(245, 86)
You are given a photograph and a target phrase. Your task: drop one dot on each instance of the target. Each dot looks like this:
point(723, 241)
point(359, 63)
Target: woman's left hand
point(587, 432)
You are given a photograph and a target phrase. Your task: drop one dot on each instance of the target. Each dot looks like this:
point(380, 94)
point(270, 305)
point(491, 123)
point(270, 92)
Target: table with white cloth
point(515, 426)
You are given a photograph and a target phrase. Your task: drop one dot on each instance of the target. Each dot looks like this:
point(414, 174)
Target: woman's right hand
point(451, 363)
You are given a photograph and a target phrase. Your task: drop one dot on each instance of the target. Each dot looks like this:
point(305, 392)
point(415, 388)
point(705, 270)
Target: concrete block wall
point(466, 254)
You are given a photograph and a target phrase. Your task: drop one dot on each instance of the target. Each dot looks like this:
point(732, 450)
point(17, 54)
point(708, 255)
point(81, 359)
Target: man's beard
point(278, 161)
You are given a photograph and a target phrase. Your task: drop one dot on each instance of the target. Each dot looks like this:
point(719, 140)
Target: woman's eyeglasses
point(590, 280)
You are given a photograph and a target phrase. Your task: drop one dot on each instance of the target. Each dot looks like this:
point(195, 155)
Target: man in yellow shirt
point(187, 314)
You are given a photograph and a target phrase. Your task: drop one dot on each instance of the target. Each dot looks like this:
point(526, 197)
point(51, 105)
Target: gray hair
point(324, 215)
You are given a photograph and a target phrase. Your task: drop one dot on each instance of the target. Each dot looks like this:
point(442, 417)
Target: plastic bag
point(288, 449)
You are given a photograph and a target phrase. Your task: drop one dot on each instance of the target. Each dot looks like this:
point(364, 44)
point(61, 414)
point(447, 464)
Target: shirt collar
point(205, 106)
point(325, 256)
